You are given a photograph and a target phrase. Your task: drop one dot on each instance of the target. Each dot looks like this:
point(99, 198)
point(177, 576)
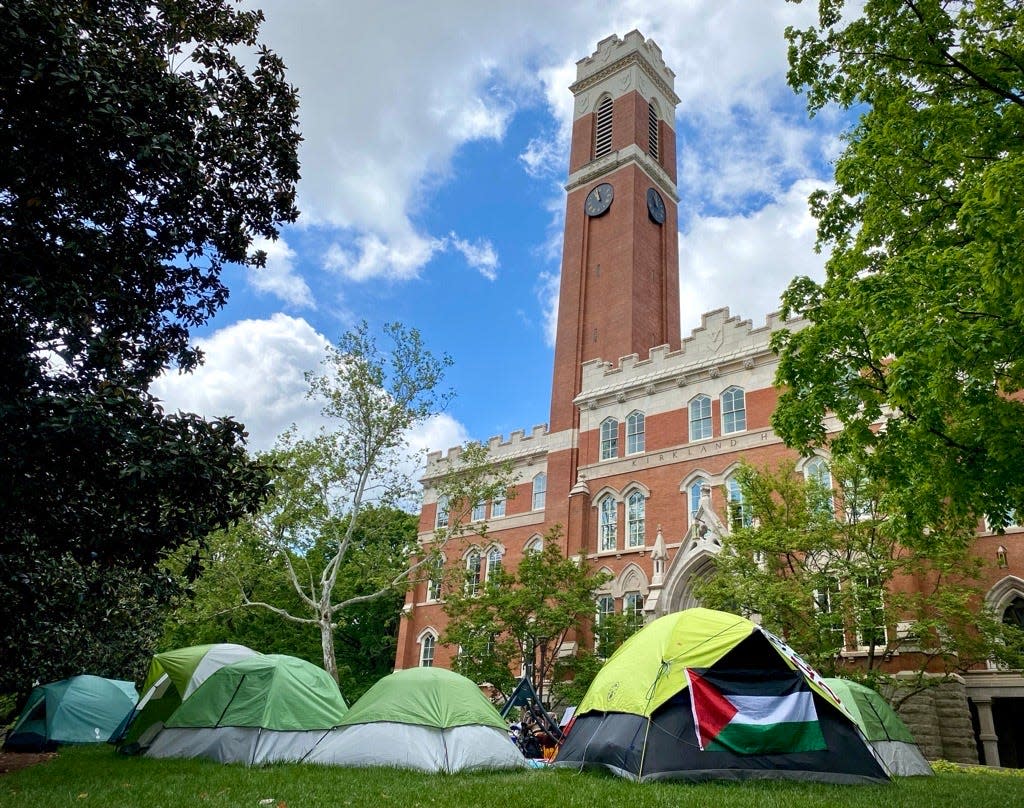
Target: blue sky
point(436, 146)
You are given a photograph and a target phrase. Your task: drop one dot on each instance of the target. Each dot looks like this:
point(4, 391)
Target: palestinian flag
point(753, 714)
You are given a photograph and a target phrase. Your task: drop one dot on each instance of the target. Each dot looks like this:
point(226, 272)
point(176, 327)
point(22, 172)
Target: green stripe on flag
point(769, 739)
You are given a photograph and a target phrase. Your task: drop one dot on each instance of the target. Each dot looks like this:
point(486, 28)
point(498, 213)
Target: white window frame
point(700, 418)
point(607, 524)
point(609, 435)
point(474, 572)
point(605, 605)
point(534, 545)
point(498, 507)
point(479, 512)
point(734, 410)
point(816, 470)
point(441, 518)
point(824, 604)
point(540, 490)
point(734, 498)
point(875, 589)
point(493, 562)
point(636, 440)
point(428, 649)
point(435, 580)
point(636, 518)
point(693, 491)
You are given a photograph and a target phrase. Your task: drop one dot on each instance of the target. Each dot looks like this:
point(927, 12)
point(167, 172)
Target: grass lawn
point(91, 776)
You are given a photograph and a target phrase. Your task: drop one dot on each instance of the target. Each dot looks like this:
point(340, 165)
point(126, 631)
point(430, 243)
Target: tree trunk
point(327, 643)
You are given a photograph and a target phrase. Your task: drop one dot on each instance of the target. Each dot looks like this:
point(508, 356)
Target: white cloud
point(254, 372)
point(745, 262)
point(480, 255)
point(278, 277)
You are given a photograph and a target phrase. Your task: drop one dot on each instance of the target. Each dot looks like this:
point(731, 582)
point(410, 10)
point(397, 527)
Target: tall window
point(734, 411)
point(608, 511)
point(700, 418)
point(434, 582)
point(635, 433)
point(493, 562)
point(633, 609)
point(694, 494)
point(870, 612)
point(609, 439)
point(816, 472)
point(442, 512)
point(479, 512)
point(652, 129)
point(739, 511)
point(826, 603)
point(603, 128)
point(497, 507)
point(540, 489)
point(427, 650)
point(635, 518)
point(473, 564)
point(605, 607)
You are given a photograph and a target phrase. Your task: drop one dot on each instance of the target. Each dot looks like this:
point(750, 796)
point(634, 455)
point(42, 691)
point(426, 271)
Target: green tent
point(172, 677)
point(82, 709)
point(702, 695)
point(885, 730)
point(429, 719)
point(261, 709)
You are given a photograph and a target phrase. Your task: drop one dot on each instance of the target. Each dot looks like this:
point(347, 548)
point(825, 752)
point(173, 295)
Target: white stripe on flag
point(773, 709)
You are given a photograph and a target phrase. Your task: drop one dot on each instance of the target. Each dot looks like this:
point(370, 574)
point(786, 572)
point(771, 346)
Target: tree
point(238, 560)
point(141, 155)
point(824, 580)
point(920, 321)
point(372, 400)
point(520, 618)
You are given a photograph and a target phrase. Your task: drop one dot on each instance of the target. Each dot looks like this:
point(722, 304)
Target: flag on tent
point(753, 715)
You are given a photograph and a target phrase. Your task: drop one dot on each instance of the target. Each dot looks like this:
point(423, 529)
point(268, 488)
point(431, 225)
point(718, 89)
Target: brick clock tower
point(619, 291)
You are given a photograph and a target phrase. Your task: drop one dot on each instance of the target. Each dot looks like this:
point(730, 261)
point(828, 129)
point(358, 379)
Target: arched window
point(633, 609)
point(636, 507)
point(540, 489)
point(609, 439)
point(700, 418)
point(608, 515)
point(693, 493)
point(734, 411)
point(534, 545)
point(493, 562)
point(652, 129)
point(603, 127)
point(635, 441)
point(739, 511)
point(1013, 614)
point(473, 571)
point(427, 644)
point(442, 512)
point(436, 577)
point(816, 473)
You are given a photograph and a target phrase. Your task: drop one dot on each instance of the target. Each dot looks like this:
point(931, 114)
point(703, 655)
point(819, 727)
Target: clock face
point(655, 206)
point(599, 199)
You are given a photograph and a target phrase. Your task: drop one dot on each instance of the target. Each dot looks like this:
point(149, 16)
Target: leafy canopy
point(920, 321)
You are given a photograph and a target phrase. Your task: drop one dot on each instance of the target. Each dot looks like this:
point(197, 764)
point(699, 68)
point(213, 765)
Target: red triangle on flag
point(711, 710)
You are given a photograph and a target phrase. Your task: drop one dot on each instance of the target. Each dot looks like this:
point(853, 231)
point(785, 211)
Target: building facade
point(647, 428)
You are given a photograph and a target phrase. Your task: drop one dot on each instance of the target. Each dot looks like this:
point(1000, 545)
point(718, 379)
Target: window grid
point(434, 582)
point(636, 518)
point(442, 512)
point(700, 418)
point(479, 512)
point(603, 134)
point(652, 130)
point(826, 603)
point(608, 513)
point(497, 507)
point(734, 411)
point(739, 511)
point(605, 607)
point(870, 609)
point(473, 565)
point(540, 489)
point(427, 651)
point(633, 609)
point(695, 488)
point(493, 563)
point(635, 426)
point(609, 439)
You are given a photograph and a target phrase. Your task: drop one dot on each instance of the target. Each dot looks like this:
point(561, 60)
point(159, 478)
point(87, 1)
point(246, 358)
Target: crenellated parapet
point(722, 345)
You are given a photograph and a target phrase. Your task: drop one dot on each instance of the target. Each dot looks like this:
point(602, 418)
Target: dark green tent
point(82, 709)
point(705, 695)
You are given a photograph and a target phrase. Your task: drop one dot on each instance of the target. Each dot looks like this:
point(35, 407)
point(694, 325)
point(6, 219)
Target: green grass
point(90, 777)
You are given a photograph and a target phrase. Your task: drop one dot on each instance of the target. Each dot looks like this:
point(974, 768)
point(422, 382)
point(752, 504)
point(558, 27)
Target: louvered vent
point(603, 139)
point(652, 131)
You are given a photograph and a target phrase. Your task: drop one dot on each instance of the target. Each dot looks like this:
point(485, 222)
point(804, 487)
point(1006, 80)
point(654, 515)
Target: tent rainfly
point(429, 719)
point(172, 677)
point(705, 695)
point(885, 730)
point(262, 709)
point(82, 709)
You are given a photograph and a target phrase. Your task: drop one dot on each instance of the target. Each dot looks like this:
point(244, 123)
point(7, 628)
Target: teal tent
point(82, 709)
